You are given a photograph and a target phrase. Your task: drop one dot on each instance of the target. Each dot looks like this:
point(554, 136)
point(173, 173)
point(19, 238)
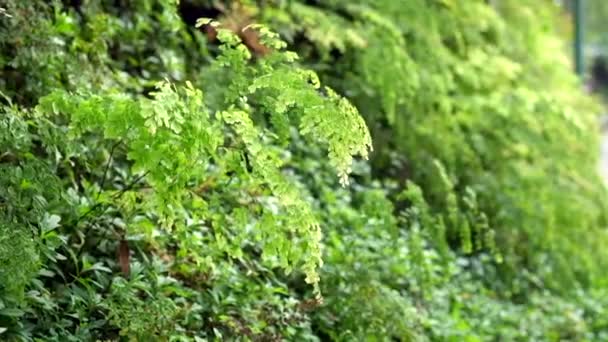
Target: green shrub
point(169, 177)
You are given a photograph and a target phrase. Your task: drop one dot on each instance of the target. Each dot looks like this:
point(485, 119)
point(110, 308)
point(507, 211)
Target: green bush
point(177, 172)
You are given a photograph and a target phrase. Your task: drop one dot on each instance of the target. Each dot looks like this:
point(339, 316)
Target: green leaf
point(49, 222)
point(11, 312)
point(203, 21)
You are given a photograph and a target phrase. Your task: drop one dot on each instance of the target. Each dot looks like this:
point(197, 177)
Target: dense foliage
point(198, 171)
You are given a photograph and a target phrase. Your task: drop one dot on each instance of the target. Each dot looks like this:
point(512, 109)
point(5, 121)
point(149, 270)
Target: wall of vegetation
point(371, 170)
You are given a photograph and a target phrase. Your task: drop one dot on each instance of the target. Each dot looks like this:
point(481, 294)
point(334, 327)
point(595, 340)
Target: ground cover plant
point(420, 170)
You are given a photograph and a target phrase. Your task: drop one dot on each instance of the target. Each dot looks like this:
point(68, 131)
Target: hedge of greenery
point(372, 170)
